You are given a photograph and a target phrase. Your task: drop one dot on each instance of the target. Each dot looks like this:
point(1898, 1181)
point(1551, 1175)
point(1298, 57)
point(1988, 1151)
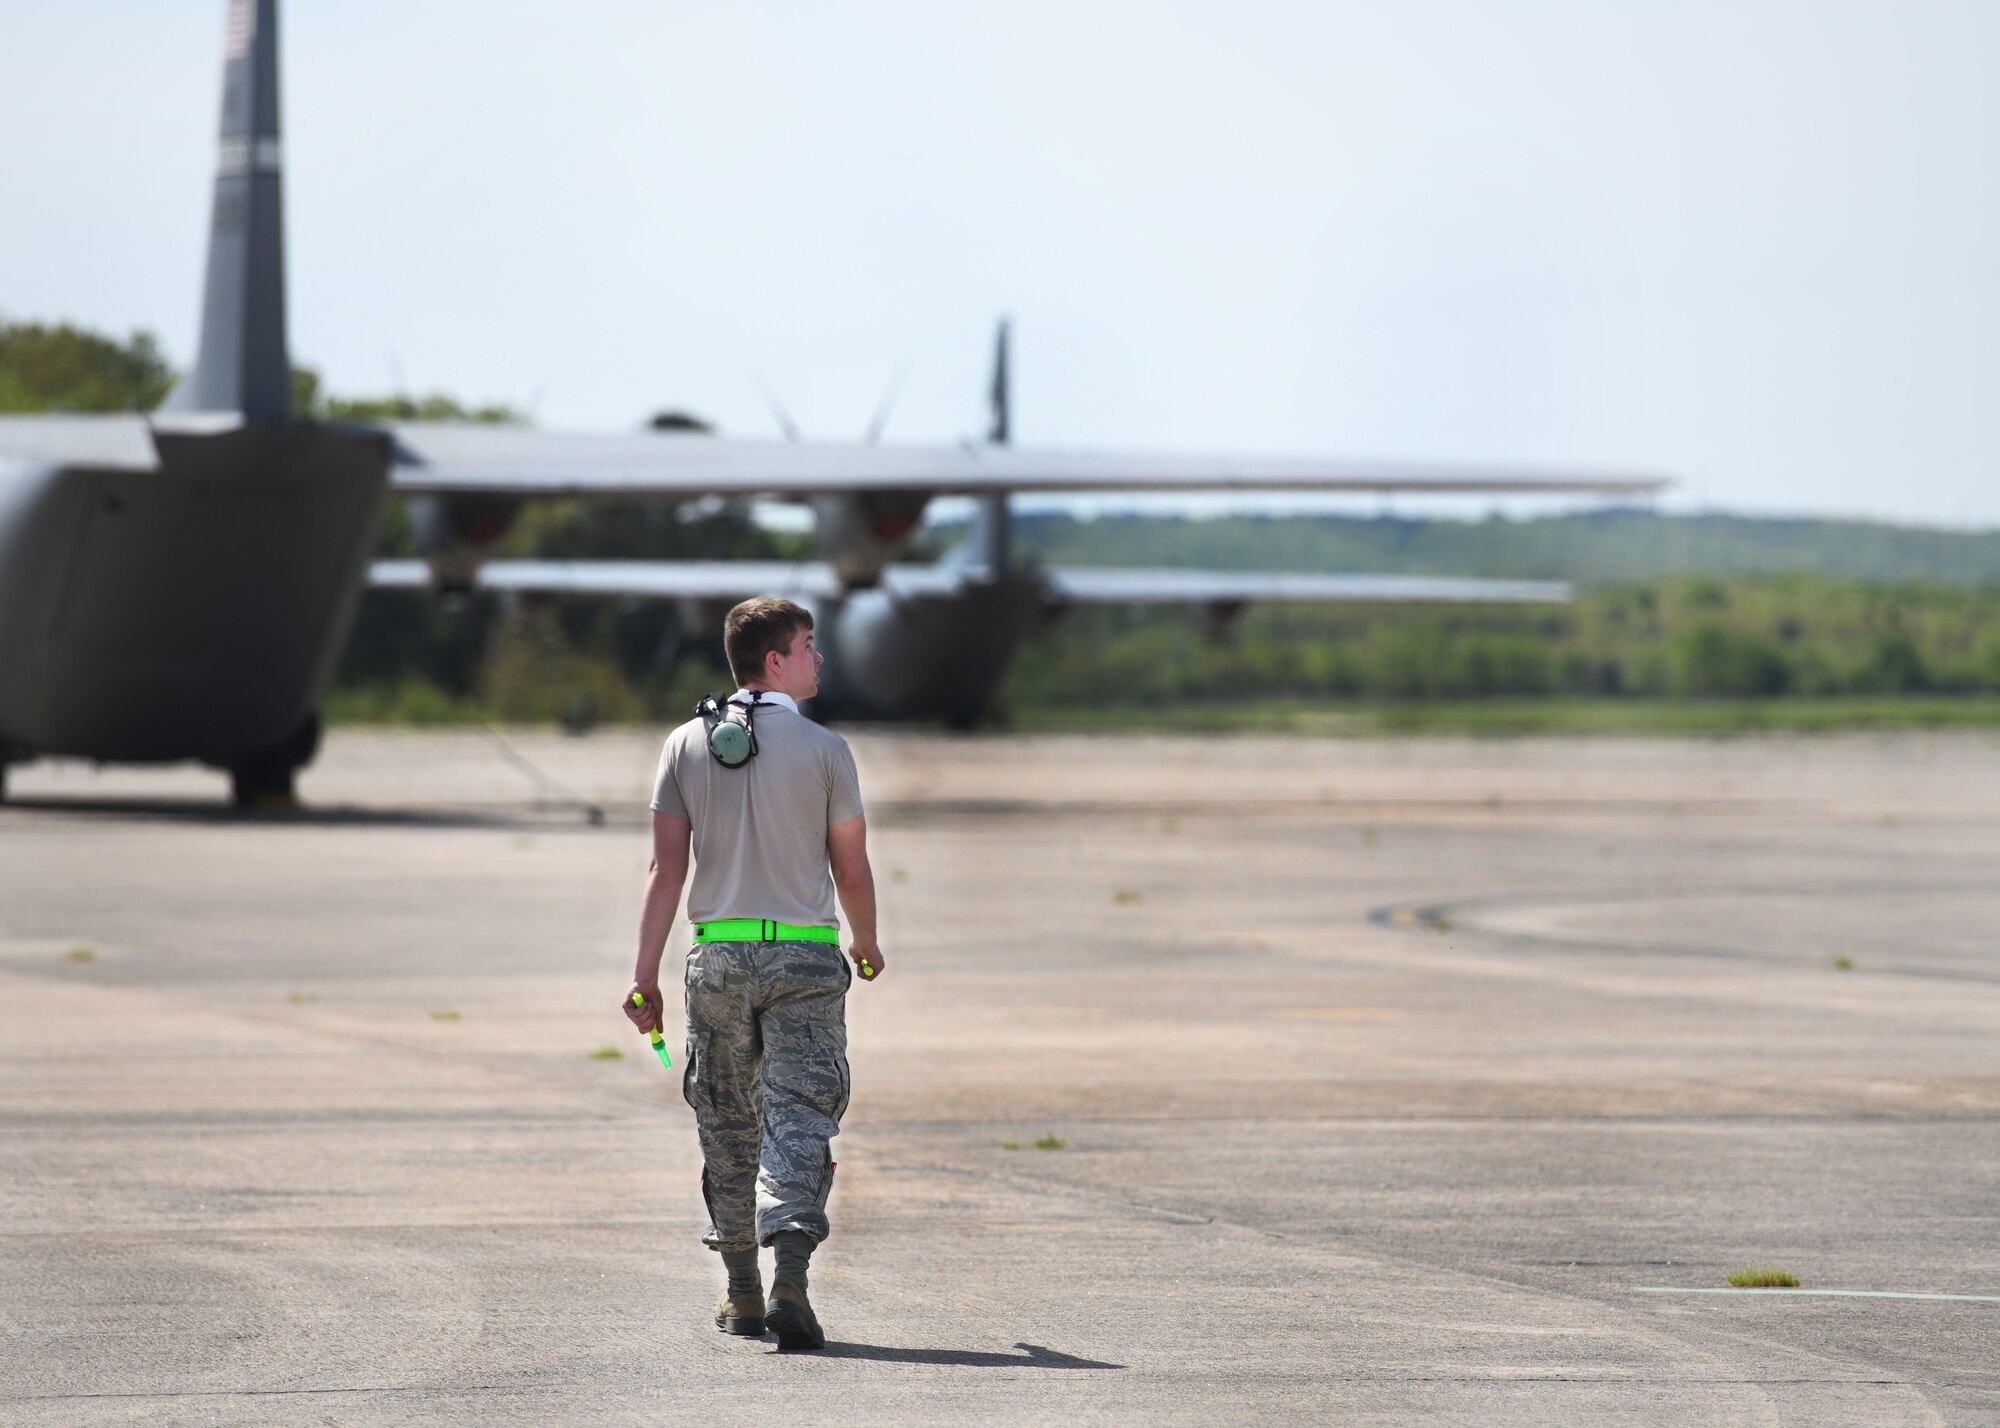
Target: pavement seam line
point(1821, 1293)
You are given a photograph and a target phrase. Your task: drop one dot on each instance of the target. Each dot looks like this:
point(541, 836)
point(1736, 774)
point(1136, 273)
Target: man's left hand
point(651, 1016)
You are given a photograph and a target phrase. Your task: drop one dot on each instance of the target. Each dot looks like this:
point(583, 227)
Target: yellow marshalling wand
point(659, 1042)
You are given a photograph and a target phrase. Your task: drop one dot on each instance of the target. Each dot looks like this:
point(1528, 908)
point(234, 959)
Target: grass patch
point(1010, 1145)
point(1843, 963)
point(303, 999)
point(79, 954)
point(1358, 718)
point(1126, 897)
point(446, 1015)
point(606, 1052)
point(410, 703)
point(1762, 1276)
point(1050, 1142)
point(418, 704)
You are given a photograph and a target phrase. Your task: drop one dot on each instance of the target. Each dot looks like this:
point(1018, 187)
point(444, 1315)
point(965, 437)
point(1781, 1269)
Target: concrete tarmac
point(1394, 1082)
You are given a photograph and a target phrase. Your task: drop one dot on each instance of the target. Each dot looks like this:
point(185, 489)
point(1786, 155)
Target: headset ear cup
point(729, 741)
point(732, 738)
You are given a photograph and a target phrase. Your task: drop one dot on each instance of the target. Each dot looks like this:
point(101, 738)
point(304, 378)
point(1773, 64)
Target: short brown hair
point(756, 628)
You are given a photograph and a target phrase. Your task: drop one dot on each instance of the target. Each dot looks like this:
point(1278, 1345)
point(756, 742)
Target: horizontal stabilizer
point(124, 443)
point(645, 579)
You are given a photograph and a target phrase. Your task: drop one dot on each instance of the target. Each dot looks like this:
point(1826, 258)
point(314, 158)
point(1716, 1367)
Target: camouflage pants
point(767, 1078)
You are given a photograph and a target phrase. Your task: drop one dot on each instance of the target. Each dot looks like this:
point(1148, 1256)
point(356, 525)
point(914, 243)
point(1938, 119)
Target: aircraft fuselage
point(193, 611)
point(899, 657)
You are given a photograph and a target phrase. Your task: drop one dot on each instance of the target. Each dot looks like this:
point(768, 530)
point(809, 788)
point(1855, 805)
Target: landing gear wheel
point(265, 780)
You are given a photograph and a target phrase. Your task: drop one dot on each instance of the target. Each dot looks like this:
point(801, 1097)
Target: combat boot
point(740, 1314)
point(790, 1317)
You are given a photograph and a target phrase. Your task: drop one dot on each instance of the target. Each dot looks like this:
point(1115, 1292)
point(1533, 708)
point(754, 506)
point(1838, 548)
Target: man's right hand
point(867, 960)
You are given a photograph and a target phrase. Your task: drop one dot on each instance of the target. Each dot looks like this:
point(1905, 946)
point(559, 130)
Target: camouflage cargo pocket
point(697, 1081)
point(830, 1051)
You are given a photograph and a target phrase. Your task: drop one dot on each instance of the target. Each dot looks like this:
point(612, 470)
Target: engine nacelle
point(456, 534)
point(858, 534)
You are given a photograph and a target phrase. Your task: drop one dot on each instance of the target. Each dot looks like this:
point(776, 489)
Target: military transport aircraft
point(180, 586)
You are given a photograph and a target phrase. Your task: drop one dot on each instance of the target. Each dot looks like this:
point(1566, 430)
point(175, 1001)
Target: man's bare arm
point(847, 852)
point(664, 880)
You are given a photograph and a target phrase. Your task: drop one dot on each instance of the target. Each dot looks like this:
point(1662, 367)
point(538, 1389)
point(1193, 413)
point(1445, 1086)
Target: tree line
point(1763, 636)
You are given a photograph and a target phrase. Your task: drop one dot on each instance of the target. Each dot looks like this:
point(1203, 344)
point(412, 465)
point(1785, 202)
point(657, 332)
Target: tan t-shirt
point(760, 830)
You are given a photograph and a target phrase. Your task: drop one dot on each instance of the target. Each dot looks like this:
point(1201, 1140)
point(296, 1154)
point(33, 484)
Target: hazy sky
point(1754, 244)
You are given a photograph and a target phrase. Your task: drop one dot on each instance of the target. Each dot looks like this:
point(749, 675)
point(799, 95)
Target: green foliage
point(675, 420)
point(309, 401)
point(437, 406)
point(410, 701)
point(1594, 548)
point(1792, 652)
point(63, 368)
point(403, 637)
point(642, 530)
point(1713, 660)
point(537, 676)
point(1690, 637)
point(1325, 718)
point(414, 658)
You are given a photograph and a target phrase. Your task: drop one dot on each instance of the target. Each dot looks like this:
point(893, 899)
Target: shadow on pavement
point(1033, 1356)
point(526, 817)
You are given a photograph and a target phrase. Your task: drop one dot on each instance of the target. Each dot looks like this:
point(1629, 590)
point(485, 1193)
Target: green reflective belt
point(761, 929)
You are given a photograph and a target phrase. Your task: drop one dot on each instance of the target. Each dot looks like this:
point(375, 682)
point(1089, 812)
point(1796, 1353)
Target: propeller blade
point(406, 404)
point(887, 405)
point(778, 413)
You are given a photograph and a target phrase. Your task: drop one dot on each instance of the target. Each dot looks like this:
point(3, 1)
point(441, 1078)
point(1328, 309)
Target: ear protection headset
point(731, 728)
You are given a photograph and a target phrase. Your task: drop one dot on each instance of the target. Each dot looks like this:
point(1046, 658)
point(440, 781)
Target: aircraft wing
point(440, 458)
point(460, 459)
point(814, 580)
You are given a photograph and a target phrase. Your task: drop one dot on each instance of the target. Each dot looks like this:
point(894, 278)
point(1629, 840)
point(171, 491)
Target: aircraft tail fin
point(993, 525)
point(242, 364)
point(1001, 430)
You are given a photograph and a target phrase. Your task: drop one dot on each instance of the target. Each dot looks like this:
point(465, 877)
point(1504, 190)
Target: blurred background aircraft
point(180, 586)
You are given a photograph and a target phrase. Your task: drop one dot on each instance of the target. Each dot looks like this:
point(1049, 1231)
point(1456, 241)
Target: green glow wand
point(659, 1042)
